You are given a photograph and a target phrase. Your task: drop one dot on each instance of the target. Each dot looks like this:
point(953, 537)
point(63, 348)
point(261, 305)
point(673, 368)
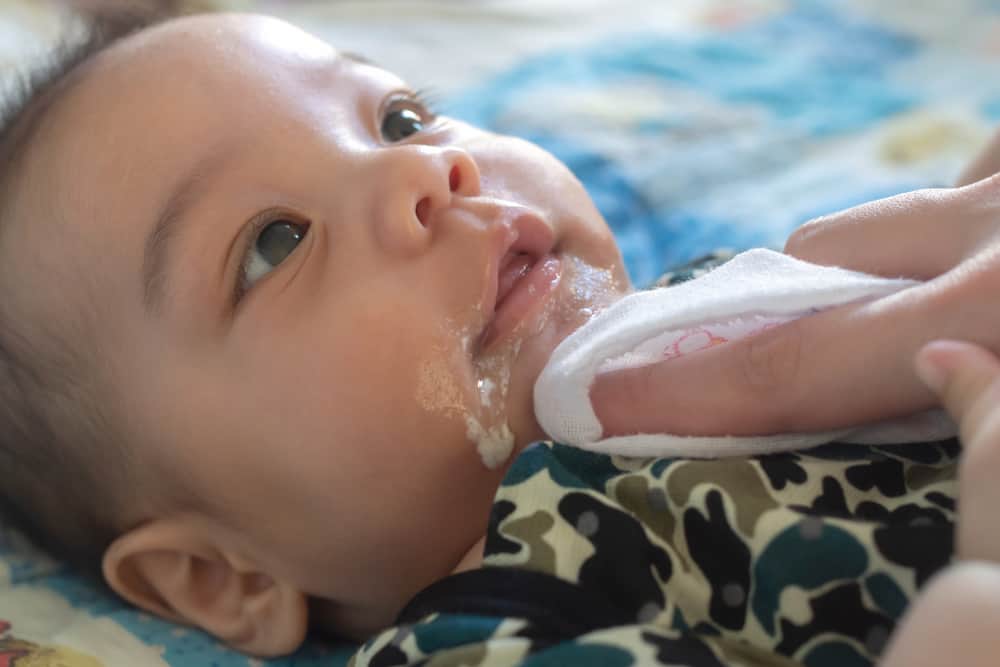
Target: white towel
point(753, 291)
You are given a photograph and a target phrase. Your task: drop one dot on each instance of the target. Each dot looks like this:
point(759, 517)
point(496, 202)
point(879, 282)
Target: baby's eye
point(403, 118)
point(269, 248)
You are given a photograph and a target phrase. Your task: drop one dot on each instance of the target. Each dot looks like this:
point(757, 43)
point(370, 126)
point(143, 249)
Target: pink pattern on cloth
point(677, 343)
point(705, 336)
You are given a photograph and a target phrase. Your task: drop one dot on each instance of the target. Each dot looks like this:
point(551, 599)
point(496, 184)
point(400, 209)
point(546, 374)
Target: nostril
point(455, 179)
point(423, 210)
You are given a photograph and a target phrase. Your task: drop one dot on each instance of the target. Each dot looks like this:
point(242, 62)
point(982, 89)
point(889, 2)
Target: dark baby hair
point(65, 473)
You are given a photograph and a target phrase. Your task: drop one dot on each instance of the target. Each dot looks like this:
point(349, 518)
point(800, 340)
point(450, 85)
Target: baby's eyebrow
point(169, 225)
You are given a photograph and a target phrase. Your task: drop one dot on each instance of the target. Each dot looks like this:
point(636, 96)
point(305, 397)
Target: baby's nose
point(463, 179)
point(415, 183)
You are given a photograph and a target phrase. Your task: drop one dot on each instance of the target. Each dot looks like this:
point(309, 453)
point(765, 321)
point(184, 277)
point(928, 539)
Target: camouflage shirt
point(797, 558)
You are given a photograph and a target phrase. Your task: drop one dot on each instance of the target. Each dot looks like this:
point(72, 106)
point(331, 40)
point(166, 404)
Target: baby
point(271, 329)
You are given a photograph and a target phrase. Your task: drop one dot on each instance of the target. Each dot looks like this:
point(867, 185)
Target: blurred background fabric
point(694, 124)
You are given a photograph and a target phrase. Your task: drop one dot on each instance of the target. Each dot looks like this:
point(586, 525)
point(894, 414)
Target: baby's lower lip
point(528, 293)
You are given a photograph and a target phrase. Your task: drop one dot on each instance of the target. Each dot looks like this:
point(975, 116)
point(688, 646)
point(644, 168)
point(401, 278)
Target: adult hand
point(953, 621)
point(986, 163)
point(967, 380)
point(848, 365)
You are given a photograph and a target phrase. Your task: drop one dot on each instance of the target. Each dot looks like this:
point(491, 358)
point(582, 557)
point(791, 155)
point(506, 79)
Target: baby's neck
point(473, 558)
point(329, 618)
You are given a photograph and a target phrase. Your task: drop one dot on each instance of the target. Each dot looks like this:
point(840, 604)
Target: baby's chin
point(585, 291)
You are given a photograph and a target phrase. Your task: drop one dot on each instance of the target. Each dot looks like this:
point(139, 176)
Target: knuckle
point(971, 287)
point(651, 391)
point(771, 359)
point(982, 272)
point(641, 386)
point(916, 201)
point(619, 399)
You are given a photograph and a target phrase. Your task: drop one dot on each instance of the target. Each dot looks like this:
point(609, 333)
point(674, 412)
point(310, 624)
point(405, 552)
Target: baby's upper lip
point(521, 231)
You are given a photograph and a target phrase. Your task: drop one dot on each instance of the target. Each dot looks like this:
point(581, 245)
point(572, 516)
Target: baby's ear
point(175, 568)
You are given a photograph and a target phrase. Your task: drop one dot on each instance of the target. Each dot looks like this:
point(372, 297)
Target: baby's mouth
point(513, 267)
point(527, 273)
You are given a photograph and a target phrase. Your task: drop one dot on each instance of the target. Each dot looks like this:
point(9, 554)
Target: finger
point(967, 378)
point(842, 367)
point(951, 622)
point(918, 235)
point(985, 165)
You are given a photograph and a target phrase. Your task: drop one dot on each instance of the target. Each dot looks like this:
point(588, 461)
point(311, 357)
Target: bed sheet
point(694, 124)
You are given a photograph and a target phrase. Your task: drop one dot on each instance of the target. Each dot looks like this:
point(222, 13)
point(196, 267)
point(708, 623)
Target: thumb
point(964, 376)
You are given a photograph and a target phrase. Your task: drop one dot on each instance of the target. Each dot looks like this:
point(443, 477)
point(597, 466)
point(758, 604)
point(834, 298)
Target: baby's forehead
point(233, 63)
point(166, 80)
point(209, 47)
point(225, 35)
point(128, 119)
point(144, 113)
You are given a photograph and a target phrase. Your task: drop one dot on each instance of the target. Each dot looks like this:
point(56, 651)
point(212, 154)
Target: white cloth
point(752, 291)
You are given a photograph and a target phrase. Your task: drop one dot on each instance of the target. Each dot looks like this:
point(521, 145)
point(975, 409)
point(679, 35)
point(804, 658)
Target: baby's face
point(319, 346)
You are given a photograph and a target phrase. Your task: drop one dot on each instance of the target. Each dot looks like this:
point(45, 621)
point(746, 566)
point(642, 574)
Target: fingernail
point(931, 368)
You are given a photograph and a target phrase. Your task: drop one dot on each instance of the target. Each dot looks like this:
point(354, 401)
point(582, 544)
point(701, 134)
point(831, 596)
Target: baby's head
point(253, 352)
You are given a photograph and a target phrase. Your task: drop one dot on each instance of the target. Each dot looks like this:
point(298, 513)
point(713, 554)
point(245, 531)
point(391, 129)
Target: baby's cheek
point(460, 407)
